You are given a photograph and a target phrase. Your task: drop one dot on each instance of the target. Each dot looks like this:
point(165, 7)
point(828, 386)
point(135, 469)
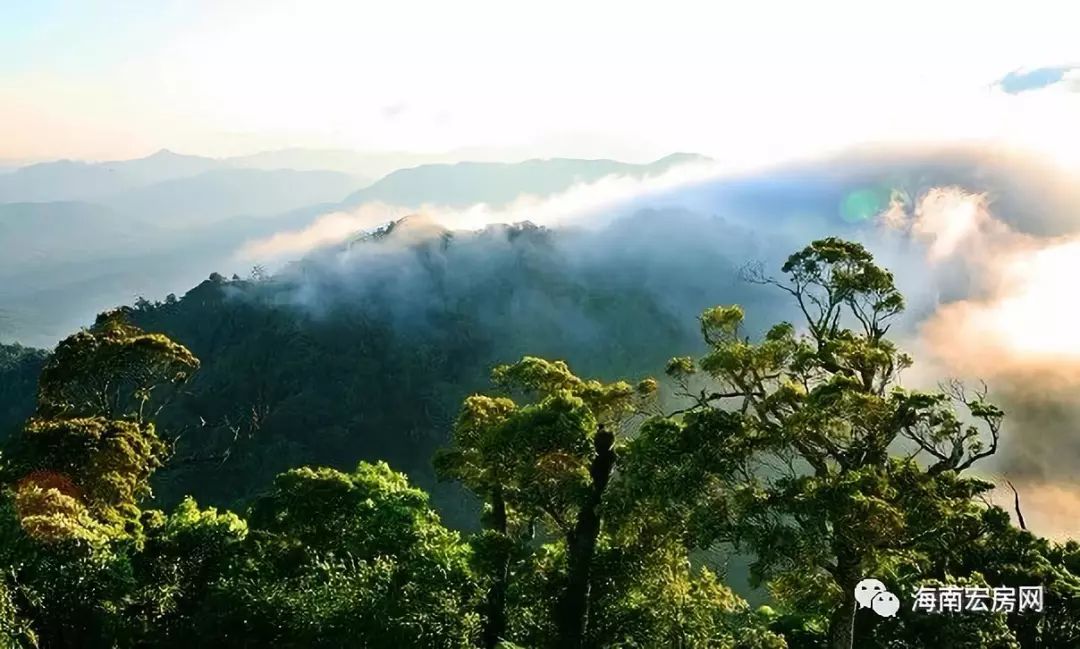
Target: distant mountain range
point(498, 183)
point(69, 180)
point(78, 237)
point(364, 166)
point(226, 192)
point(409, 179)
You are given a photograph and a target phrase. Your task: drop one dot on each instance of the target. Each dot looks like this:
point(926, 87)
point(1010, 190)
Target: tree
point(338, 559)
point(102, 466)
point(88, 446)
point(566, 461)
point(184, 556)
point(825, 493)
point(111, 370)
point(548, 461)
point(72, 480)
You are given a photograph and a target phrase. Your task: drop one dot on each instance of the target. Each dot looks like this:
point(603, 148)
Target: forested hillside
point(782, 441)
point(367, 352)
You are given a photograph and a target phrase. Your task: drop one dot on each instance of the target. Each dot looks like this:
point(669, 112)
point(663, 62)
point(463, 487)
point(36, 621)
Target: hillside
point(68, 180)
point(197, 200)
point(318, 366)
point(69, 260)
point(497, 183)
point(329, 358)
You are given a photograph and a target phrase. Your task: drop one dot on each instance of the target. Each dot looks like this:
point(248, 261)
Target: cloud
point(1027, 80)
point(1019, 321)
point(603, 200)
point(1013, 325)
point(327, 230)
point(1049, 508)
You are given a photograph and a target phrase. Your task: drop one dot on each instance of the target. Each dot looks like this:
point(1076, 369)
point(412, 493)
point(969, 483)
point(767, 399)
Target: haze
point(741, 82)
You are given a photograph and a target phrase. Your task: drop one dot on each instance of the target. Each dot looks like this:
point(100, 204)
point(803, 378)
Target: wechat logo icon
point(872, 594)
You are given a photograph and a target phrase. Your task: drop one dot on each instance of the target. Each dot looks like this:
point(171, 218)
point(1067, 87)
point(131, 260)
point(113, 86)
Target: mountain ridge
point(497, 183)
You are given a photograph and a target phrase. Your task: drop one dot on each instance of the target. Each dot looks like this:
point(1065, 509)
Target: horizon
point(220, 81)
point(452, 156)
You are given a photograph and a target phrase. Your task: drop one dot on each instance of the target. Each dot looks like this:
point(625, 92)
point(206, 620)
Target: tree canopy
point(601, 499)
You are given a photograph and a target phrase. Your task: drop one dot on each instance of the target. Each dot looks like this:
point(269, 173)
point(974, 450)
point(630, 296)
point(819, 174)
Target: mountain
point(363, 166)
point(64, 180)
point(364, 350)
point(373, 164)
point(36, 235)
point(164, 165)
point(68, 180)
point(63, 261)
point(498, 183)
point(159, 239)
point(217, 194)
point(327, 360)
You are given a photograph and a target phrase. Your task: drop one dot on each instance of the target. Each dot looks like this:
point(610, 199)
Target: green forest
point(216, 470)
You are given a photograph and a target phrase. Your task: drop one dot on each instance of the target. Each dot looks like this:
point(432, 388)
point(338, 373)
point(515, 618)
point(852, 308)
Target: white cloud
point(741, 82)
point(599, 199)
point(1019, 320)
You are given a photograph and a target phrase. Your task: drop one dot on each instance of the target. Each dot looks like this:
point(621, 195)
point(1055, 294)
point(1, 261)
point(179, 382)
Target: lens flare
point(863, 204)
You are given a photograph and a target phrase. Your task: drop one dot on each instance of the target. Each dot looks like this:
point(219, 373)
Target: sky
point(744, 82)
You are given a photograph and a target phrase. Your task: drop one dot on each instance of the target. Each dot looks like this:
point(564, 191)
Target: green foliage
point(185, 553)
point(19, 371)
point(15, 632)
point(101, 465)
point(659, 600)
point(547, 462)
point(799, 447)
point(68, 591)
point(538, 463)
point(80, 466)
point(110, 370)
point(538, 454)
point(74, 478)
point(819, 498)
point(345, 559)
point(368, 513)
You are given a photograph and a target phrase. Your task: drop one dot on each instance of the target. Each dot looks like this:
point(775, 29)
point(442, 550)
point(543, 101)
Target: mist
point(589, 204)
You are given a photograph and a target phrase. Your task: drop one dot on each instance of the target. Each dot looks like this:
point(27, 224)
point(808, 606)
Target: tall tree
point(74, 476)
point(549, 461)
point(848, 474)
point(88, 442)
point(111, 370)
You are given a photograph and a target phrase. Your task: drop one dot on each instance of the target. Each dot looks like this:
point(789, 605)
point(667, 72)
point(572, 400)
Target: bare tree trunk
point(495, 626)
point(573, 614)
